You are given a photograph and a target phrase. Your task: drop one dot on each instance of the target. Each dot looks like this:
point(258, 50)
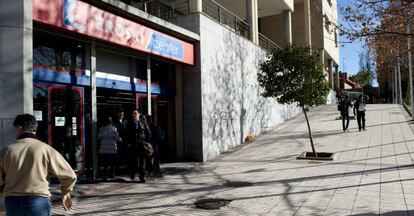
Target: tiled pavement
point(372, 174)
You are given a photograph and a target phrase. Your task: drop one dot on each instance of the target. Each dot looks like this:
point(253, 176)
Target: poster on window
point(59, 121)
point(38, 114)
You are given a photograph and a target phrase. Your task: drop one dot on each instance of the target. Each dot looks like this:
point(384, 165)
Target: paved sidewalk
point(372, 174)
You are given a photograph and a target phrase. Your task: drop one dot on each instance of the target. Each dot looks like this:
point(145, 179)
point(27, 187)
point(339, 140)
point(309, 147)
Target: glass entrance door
point(59, 113)
point(66, 123)
point(163, 115)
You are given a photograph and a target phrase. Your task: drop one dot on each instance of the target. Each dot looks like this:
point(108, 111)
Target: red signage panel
point(86, 19)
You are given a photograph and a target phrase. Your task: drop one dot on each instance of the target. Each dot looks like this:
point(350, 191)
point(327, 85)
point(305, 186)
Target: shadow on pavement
point(391, 213)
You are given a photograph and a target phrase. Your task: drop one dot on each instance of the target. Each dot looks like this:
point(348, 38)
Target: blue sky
point(349, 52)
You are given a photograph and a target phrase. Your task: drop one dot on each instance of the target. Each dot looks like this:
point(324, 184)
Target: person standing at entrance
point(108, 136)
point(359, 107)
point(343, 107)
point(137, 133)
point(157, 134)
point(24, 169)
point(120, 125)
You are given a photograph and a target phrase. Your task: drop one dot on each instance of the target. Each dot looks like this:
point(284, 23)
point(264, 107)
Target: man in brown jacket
point(24, 169)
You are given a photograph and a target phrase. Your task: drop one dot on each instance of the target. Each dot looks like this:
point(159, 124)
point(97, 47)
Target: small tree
point(292, 75)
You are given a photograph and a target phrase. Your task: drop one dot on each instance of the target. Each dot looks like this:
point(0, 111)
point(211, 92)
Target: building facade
point(191, 64)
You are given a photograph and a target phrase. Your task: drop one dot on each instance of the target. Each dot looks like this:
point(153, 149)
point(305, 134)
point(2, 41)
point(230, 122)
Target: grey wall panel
point(110, 62)
point(16, 83)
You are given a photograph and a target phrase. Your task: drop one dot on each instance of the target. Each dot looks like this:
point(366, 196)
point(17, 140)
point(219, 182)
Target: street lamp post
point(399, 81)
point(410, 68)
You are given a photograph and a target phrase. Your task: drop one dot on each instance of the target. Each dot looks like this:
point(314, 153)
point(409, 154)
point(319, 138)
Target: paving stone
point(370, 175)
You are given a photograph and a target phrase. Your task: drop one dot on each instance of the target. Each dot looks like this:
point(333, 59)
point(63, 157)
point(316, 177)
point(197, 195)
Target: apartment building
point(191, 64)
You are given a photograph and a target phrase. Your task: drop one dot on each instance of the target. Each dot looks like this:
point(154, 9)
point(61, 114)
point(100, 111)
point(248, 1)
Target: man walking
point(24, 169)
point(343, 107)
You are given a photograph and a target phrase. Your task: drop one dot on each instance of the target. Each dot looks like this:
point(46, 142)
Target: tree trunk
point(310, 132)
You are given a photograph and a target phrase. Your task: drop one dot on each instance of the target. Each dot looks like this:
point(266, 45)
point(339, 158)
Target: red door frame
point(49, 114)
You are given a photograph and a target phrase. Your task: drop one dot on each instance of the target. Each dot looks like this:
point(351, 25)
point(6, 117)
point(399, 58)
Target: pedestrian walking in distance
point(343, 107)
point(360, 109)
point(24, 169)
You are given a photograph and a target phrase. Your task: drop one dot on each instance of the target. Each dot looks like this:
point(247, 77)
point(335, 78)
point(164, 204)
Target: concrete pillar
point(16, 79)
point(307, 24)
point(196, 6)
point(149, 90)
point(400, 100)
point(179, 112)
point(410, 71)
point(287, 14)
point(395, 86)
point(330, 72)
point(252, 19)
point(94, 112)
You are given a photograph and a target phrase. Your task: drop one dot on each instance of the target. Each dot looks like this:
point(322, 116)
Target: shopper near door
point(137, 132)
point(108, 137)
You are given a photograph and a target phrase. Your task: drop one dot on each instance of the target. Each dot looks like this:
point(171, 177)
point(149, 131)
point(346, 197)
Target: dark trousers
point(156, 158)
point(121, 156)
point(361, 119)
point(136, 154)
point(107, 161)
point(345, 117)
point(27, 206)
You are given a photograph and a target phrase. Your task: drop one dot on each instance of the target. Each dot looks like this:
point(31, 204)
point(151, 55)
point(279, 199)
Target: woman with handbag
point(360, 109)
point(137, 133)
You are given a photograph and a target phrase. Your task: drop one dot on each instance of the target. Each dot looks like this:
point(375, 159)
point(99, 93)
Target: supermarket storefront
point(88, 63)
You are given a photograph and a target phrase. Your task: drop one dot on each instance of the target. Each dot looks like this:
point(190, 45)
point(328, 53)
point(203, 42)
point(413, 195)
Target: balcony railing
point(171, 9)
point(267, 44)
point(164, 10)
point(225, 17)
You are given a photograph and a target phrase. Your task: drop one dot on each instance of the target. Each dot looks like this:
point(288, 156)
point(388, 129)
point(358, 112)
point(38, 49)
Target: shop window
point(57, 53)
point(162, 73)
point(141, 69)
point(327, 23)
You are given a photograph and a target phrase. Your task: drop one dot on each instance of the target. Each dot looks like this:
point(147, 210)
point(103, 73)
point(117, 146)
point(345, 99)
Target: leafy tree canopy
point(362, 78)
point(293, 75)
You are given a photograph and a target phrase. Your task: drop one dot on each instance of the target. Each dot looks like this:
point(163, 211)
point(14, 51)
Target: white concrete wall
point(329, 37)
point(331, 97)
point(232, 106)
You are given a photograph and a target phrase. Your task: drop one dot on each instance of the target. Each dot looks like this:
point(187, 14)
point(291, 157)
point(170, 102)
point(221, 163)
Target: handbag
point(148, 150)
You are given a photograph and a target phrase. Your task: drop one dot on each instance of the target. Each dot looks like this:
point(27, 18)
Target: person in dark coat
point(137, 133)
point(359, 107)
point(343, 107)
point(157, 134)
point(120, 124)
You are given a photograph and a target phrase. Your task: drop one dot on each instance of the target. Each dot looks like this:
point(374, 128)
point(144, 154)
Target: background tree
point(362, 78)
point(293, 75)
point(367, 18)
point(382, 25)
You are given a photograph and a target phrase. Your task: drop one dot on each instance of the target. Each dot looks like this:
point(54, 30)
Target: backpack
point(341, 105)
